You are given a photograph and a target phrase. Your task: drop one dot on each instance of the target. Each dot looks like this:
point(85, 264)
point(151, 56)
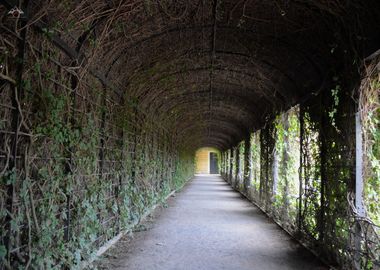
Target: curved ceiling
point(212, 70)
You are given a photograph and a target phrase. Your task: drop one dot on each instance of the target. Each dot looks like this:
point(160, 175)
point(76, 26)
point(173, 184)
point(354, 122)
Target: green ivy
point(255, 160)
point(372, 184)
point(288, 156)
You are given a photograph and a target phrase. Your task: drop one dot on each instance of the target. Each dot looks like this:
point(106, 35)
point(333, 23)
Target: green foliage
point(372, 129)
point(311, 176)
point(255, 160)
point(335, 104)
point(73, 197)
point(3, 251)
point(234, 164)
point(288, 156)
point(320, 213)
point(240, 173)
point(184, 169)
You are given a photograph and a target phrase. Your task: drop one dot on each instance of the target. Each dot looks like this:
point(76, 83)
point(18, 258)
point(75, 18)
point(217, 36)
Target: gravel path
point(208, 226)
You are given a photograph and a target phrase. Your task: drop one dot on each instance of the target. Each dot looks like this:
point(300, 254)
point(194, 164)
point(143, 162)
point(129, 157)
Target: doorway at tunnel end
point(207, 160)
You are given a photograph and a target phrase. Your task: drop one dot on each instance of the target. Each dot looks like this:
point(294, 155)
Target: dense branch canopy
point(211, 71)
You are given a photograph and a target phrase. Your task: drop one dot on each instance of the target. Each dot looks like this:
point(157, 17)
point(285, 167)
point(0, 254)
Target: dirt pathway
point(208, 226)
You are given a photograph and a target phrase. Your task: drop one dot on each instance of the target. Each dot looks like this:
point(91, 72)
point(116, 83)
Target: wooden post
point(359, 167)
point(262, 165)
point(274, 174)
point(231, 165)
point(359, 205)
point(237, 166)
point(247, 163)
point(322, 137)
point(285, 162)
point(300, 173)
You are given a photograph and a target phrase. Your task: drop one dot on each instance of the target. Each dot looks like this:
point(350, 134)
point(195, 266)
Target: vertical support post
point(247, 163)
point(300, 172)
point(231, 165)
point(359, 167)
point(358, 189)
point(285, 167)
point(271, 154)
point(228, 165)
point(322, 213)
point(221, 169)
point(237, 167)
point(263, 162)
point(267, 169)
point(275, 174)
point(224, 163)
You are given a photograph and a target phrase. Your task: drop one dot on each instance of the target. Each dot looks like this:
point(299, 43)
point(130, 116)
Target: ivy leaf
point(3, 251)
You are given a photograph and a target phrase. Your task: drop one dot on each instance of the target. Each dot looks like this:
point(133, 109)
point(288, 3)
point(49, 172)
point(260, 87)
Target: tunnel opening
point(104, 104)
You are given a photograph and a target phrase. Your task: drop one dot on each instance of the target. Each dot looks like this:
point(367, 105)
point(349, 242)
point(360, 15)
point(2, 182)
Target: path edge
point(246, 197)
point(101, 250)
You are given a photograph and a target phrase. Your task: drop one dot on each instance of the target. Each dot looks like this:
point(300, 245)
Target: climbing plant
point(369, 232)
point(89, 161)
point(370, 107)
point(255, 160)
point(287, 151)
point(306, 182)
point(311, 176)
point(241, 165)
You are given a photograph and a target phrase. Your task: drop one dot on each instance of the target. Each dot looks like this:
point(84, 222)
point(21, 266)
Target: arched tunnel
point(104, 103)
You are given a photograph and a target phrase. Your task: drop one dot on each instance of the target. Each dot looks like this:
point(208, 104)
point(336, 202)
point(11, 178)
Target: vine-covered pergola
point(103, 104)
